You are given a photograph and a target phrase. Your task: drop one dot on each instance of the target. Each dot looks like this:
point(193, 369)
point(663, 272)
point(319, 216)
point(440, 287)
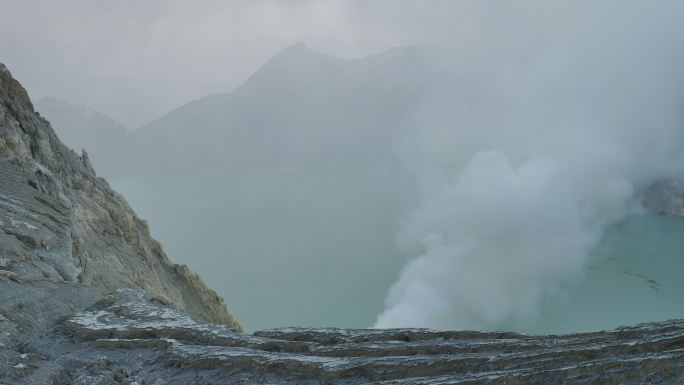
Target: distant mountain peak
point(299, 47)
point(55, 103)
point(298, 53)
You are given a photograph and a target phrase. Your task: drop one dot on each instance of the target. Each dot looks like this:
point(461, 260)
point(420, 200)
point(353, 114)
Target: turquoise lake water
point(288, 248)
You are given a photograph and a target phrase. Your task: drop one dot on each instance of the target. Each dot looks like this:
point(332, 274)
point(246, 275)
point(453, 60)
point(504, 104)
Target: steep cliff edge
point(60, 223)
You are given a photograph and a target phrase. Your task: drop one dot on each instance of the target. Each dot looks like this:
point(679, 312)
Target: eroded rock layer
point(132, 337)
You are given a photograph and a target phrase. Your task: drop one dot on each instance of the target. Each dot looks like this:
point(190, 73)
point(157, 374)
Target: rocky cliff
point(80, 127)
point(88, 297)
point(62, 224)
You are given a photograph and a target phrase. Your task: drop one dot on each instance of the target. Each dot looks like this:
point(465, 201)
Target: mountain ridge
point(298, 96)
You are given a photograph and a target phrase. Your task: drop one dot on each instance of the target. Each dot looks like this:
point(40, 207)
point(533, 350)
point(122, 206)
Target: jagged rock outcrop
point(88, 297)
point(62, 224)
point(666, 197)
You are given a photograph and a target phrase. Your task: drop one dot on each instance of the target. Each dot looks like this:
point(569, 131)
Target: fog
point(570, 115)
point(136, 60)
point(470, 164)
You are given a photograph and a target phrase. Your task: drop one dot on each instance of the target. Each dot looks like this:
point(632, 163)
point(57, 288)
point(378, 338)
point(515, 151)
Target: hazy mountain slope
point(82, 128)
point(61, 224)
point(301, 109)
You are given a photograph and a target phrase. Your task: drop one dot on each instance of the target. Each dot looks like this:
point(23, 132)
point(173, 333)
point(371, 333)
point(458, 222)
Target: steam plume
point(573, 107)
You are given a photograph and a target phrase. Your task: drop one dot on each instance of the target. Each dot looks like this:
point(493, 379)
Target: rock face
point(60, 224)
point(132, 338)
point(666, 197)
point(88, 297)
point(83, 128)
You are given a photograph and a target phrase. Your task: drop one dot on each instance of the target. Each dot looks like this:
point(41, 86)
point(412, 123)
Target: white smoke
point(565, 118)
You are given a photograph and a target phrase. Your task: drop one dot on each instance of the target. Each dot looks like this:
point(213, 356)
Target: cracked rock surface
point(132, 337)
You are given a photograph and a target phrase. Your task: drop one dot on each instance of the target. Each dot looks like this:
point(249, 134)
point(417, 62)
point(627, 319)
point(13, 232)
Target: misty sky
point(136, 60)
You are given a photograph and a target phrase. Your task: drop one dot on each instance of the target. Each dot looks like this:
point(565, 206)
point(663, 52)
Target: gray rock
point(67, 239)
point(132, 336)
point(61, 223)
point(665, 197)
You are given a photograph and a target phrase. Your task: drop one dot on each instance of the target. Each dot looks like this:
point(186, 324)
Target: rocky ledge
point(132, 337)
